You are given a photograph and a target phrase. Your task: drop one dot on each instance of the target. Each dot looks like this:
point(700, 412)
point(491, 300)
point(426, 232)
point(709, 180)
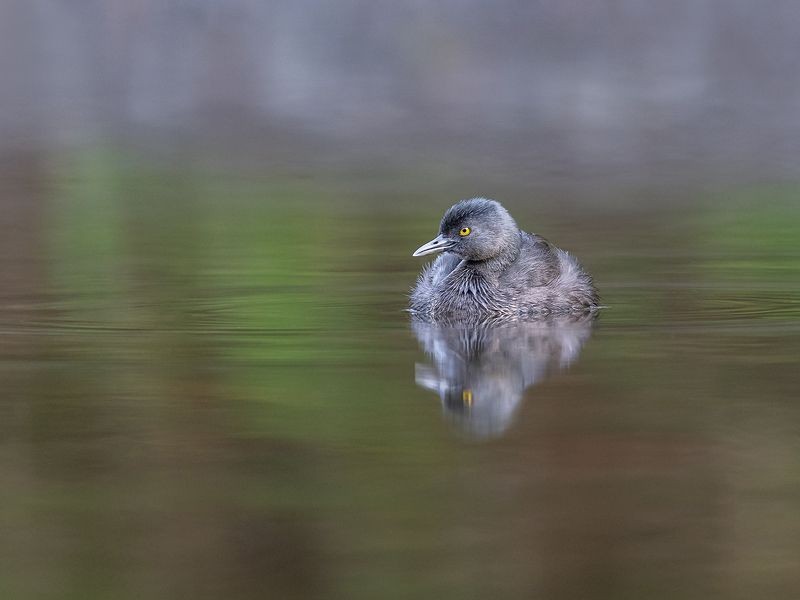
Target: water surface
point(211, 389)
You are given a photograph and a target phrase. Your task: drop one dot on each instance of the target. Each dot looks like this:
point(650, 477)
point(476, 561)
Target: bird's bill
point(437, 244)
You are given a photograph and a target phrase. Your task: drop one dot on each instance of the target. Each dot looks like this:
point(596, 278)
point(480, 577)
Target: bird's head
point(476, 229)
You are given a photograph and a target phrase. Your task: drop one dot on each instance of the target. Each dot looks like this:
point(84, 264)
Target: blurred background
point(552, 91)
point(207, 380)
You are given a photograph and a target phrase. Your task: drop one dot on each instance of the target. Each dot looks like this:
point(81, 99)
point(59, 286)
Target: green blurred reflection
point(209, 391)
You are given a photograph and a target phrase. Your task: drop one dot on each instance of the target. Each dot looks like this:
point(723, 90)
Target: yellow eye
point(464, 231)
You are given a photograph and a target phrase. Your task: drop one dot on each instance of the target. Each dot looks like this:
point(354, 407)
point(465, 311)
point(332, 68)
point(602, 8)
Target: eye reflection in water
point(480, 371)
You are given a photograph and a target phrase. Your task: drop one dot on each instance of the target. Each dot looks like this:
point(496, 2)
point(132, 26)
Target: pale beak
point(437, 244)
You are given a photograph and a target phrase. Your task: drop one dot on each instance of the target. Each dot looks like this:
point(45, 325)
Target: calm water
point(210, 390)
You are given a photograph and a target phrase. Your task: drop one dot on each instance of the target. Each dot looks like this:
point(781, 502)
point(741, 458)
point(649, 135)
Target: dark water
point(211, 390)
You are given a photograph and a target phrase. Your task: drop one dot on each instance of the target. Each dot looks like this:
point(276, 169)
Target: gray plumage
point(481, 372)
point(494, 270)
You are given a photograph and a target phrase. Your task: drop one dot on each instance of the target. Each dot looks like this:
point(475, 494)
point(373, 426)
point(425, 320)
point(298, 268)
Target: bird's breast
point(468, 292)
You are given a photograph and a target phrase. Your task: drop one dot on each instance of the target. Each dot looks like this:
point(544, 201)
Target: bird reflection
point(480, 371)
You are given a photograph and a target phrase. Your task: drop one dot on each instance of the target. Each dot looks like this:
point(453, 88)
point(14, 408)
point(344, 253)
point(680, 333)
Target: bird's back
point(545, 278)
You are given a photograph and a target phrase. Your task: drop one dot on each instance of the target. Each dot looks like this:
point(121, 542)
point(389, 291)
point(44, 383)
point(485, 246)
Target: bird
point(490, 269)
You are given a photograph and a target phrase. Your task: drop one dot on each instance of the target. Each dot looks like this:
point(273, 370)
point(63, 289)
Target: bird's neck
point(491, 268)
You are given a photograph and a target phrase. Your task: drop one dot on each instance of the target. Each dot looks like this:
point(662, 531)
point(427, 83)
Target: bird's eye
point(464, 231)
